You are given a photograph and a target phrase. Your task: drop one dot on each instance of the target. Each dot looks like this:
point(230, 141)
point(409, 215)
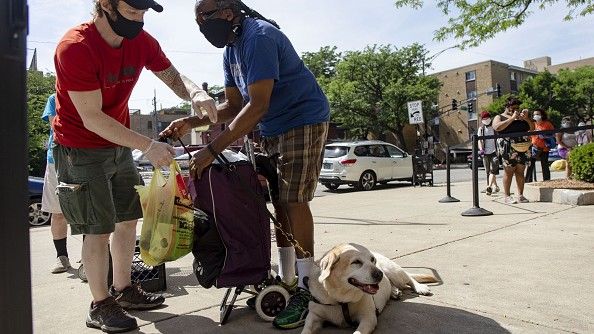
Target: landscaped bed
point(565, 184)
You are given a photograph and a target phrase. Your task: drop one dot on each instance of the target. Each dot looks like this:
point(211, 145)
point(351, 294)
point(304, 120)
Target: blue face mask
point(124, 27)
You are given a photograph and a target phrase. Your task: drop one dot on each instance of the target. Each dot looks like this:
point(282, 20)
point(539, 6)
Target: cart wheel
point(271, 301)
point(225, 312)
point(81, 273)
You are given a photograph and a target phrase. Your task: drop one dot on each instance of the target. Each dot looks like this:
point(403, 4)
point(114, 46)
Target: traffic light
point(470, 107)
point(498, 89)
point(454, 104)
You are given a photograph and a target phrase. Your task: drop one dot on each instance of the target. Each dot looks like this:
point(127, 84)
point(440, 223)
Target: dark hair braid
point(247, 11)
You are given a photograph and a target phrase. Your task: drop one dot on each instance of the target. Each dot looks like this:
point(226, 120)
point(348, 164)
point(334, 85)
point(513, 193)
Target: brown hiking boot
point(134, 298)
point(109, 316)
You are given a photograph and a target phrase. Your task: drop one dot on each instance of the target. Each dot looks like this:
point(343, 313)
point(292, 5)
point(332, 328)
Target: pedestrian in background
point(566, 141)
point(583, 137)
point(513, 151)
point(541, 145)
point(488, 150)
point(49, 199)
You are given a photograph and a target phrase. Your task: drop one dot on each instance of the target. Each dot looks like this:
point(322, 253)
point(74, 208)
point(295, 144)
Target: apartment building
point(473, 87)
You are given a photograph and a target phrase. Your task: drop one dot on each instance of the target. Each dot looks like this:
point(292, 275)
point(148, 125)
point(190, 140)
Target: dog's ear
point(326, 264)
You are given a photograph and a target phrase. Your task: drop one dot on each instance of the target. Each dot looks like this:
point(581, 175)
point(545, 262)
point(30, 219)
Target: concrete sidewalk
point(523, 270)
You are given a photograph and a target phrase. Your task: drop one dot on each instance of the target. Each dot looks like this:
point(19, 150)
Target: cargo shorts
point(96, 188)
point(298, 156)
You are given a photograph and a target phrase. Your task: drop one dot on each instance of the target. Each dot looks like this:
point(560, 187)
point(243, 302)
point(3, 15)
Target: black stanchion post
point(476, 210)
point(448, 198)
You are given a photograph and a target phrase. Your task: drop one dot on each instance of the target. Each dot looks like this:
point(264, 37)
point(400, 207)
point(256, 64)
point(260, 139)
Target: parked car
point(36, 216)
point(364, 164)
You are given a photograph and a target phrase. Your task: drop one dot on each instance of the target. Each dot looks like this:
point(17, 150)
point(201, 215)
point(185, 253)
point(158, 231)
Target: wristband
point(212, 151)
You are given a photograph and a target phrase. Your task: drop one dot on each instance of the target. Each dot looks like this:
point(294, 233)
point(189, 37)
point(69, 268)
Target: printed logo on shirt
point(126, 75)
point(235, 70)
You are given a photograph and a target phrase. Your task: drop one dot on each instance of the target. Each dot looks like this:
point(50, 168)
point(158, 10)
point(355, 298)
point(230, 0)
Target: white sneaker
point(510, 200)
point(522, 199)
point(62, 265)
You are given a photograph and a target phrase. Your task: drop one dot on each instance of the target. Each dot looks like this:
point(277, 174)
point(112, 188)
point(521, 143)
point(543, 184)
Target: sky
point(309, 24)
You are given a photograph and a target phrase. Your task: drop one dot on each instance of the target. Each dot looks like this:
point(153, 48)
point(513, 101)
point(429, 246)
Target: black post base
point(449, 199)
point(476, 212)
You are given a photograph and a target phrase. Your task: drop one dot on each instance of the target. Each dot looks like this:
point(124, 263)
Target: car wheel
point(36, 216)
point(367, 180)
point(331, 186)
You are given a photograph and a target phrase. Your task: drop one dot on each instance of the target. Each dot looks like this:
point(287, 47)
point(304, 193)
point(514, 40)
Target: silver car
point(364, 164)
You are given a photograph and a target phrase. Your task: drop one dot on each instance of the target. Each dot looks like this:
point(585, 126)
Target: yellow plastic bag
point(558, 165)
point(168, 218)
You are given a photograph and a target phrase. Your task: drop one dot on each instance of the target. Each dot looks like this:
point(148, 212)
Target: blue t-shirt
point(264, 52)
point(50, 110)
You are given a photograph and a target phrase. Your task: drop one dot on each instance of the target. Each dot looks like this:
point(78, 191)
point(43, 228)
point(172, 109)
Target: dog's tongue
point(370, 288)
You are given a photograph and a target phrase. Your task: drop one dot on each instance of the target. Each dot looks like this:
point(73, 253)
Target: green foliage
point(39, 87)
point(582, 162)
point(497, 106)
point(371, 88)
point(323, 64)
point(474, 22)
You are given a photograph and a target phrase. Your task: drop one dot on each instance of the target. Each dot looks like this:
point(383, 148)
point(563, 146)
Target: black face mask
point(217, 31)
point(124, 27)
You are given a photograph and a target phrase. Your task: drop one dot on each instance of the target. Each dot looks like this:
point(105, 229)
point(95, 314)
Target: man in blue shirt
point(49, 199)
point(267, 83)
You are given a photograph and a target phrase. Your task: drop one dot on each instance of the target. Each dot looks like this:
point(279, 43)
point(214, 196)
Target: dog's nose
point(377, 275)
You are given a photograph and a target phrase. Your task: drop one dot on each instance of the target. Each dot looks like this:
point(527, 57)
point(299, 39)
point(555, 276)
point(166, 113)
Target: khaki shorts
point(96, 188)
point(49, 199)
point(298, 156)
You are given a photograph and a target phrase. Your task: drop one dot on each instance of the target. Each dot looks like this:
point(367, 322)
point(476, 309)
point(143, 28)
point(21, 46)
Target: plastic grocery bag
point(168, 218)
point(559, 165)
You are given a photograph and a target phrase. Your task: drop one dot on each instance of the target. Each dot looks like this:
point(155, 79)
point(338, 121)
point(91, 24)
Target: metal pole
point(448, 198)
point(476, 210)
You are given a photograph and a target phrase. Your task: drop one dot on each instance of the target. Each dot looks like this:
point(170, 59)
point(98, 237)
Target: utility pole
point(155, 118)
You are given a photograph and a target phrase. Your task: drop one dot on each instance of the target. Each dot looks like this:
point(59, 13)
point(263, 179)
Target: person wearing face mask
point(566, 142)
point(583, 137)
point(488, 149)
point(97, 65)
point(541, 145)
point(266, 83)
point(513, 151)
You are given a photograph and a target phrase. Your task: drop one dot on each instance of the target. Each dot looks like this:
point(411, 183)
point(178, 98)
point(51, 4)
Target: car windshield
point(335, 151)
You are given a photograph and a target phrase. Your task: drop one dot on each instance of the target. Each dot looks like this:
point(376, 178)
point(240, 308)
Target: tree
point(323, 64)
point(371, 88)
point(476, 21)
point(539, 91)
point(575, 91)
point(39, 87)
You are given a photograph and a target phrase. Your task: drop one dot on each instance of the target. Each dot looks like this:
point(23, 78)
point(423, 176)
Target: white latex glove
point(159, 154)
point(201, 102)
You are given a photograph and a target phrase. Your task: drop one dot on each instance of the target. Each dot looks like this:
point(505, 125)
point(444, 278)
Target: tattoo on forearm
point(172, 79)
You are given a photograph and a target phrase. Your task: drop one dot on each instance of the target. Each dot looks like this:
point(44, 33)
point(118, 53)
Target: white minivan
point(364, 164)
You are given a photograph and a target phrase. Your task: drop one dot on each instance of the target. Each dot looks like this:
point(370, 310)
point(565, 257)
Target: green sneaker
point(293, 316)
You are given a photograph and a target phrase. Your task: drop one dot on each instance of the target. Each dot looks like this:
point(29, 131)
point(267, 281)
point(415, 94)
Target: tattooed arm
point(189, 91)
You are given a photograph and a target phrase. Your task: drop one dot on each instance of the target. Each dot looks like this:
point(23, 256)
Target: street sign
point(415, 112)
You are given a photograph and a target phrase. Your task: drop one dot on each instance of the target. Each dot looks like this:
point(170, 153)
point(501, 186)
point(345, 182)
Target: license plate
point(327, 165)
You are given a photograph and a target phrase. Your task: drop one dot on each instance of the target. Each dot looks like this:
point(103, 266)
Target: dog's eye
point(357, 262)
point(372, 260)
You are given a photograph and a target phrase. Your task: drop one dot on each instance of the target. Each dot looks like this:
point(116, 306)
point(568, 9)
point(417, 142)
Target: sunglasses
point(205, 16)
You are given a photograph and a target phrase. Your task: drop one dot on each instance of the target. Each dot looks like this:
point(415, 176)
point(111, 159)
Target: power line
point(168, 51)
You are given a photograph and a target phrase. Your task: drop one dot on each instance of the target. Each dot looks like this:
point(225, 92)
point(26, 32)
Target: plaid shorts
point(298, 156)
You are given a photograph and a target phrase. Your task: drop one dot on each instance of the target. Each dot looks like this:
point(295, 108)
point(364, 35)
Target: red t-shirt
point(85, 62)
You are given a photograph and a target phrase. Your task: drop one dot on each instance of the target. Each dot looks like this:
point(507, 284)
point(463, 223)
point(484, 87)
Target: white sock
point(286, 265)
point(304, 269)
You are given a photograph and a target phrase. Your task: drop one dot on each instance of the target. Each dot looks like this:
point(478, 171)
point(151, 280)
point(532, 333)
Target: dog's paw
point(424, 290)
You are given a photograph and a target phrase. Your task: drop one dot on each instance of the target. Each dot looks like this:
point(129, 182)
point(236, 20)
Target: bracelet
point(212, 151)
point(150, 146)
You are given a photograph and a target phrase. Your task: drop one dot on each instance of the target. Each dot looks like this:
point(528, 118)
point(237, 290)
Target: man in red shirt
point(97, 65)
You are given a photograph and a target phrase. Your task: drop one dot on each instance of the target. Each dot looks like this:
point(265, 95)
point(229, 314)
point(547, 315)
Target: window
point(150, 125)
point(470, 76)
point(361, 151)
point(378, 151)
point(335, 151)
point(471, 95)
point(513, 76)
point(394, 152)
